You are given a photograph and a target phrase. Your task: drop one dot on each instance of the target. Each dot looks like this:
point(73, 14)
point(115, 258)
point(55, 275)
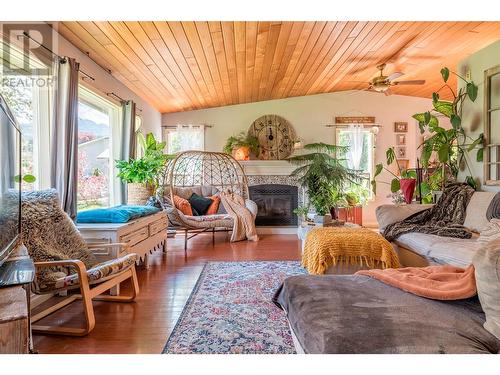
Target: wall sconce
point(375, 129)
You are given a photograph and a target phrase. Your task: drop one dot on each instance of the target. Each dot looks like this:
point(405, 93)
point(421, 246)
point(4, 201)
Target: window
point(360, 156)
point(491, 156)
point(184, 137)
point(98, 126)
point(29, 100)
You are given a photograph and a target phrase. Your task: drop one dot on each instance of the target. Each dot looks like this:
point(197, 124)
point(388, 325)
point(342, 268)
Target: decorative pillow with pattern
point(183, 205)
point(214, 207)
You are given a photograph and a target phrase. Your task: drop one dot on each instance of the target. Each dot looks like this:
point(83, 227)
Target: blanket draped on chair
point(49, 234)
point(445, 218)
point(244, 222)
point(434, 282)
point(329, 246)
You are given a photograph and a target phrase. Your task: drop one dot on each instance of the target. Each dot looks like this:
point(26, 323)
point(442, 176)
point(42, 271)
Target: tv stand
point(16, 275)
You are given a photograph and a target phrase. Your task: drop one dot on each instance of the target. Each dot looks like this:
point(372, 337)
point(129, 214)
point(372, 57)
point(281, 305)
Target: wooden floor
point(144, 325)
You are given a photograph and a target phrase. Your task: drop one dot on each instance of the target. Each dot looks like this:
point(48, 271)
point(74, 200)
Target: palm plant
point(323, 174)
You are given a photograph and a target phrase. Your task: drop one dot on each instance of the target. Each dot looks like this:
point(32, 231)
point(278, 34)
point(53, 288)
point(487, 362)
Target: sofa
point(420, 250)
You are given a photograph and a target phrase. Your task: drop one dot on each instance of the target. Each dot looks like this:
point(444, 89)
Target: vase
point(407, 186)
point(241, 153)
point(138, 194)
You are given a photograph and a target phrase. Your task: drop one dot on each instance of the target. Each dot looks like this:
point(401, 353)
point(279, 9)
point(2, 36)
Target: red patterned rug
point(230, 311)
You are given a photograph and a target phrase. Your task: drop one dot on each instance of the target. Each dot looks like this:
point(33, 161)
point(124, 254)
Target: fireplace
point(275, 204)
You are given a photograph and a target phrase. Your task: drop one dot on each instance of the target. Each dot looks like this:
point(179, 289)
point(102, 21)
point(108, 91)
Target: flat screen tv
point(10, 185)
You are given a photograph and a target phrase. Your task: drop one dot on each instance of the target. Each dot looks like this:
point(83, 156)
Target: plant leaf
point(390, 155)
point(445, 73)
point(443, 107)
point(456, 121)
point(395, 186)
point(479, 155)
point(374, 186)
point(443, 153)
point(471, 182)
point(474, 144)
point(29, 178)
point(378, 169)
point(427, 117)
point(435, 96)
point(420, 117)
point(472, 90)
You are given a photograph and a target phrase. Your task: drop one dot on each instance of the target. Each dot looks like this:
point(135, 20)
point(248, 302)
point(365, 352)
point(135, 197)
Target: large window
point(98, 124)
point(29, 100)
point(184, 137)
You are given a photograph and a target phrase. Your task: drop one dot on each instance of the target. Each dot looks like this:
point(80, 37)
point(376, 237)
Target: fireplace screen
point(276, 204)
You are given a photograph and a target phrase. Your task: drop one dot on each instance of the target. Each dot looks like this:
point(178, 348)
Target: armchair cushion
point(117, 214)
point(96, 274)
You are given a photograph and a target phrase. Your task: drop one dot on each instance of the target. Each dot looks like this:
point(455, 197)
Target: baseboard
point(277, 230)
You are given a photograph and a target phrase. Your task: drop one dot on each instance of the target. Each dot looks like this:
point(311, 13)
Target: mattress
point(357, 314)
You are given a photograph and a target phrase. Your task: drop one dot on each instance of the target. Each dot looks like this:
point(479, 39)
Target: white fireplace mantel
point(267, 167)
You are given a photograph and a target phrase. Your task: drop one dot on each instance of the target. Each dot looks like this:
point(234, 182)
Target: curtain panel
point(64, 134)
point(128, 140)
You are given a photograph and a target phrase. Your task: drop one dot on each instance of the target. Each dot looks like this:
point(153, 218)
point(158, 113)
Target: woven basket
point(138, 194)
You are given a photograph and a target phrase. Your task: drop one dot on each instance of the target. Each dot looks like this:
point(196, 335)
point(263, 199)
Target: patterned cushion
point(183, 205)
point(96, 274)
point(214, 207)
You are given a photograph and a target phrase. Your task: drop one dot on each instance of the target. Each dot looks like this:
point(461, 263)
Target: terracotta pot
point(241, 153)
point(407, 186)
point(138, 194)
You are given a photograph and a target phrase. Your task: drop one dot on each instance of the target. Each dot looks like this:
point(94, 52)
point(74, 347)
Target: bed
point(358, 314)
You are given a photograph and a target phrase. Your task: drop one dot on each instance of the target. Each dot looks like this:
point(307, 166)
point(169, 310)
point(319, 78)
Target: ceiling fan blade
point(395, 75)
point(415, 82)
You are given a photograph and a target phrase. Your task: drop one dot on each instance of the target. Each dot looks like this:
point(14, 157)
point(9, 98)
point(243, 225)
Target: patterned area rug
point(230, 311)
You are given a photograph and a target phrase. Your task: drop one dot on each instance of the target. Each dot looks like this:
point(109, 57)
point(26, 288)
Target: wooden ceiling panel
point(181, 66)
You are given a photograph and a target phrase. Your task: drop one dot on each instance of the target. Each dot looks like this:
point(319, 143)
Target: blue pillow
point(118, 214)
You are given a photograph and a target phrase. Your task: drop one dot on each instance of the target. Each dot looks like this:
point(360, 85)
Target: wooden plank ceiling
point(182, 66)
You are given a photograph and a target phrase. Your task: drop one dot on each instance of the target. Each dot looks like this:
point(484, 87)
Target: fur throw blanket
point(445, 218)
point(49, 234)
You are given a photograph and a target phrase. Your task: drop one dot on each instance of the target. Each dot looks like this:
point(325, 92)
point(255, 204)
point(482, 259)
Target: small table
point(305, 228)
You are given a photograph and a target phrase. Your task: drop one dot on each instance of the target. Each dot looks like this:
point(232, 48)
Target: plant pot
point(407, 186)
point(241, 153)
point(323, 219)
point(138, 194)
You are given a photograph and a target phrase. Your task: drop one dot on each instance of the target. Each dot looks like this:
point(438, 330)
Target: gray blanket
point(358, 314)
point(493, 211)
point(445, 218)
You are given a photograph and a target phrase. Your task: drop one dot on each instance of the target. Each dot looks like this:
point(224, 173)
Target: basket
point(138, 194)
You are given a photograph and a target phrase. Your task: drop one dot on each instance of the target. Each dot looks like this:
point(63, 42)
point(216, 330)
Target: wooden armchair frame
point(87, 294)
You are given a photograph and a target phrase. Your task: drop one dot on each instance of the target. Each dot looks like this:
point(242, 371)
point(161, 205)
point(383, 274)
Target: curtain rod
point(112, 94)
point(346, 125)
point(175, 126)
point(27, 35)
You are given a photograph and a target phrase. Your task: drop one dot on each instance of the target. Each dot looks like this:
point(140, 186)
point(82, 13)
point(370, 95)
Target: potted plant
point(141, 174)
point(405, 182)
point(242, 146)
point(449, 145)
point(324, 176)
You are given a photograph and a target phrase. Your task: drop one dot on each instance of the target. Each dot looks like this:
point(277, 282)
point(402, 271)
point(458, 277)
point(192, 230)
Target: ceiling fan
point(383, 84)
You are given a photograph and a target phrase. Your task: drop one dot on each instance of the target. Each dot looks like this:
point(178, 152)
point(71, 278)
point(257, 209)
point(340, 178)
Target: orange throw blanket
point(434, 282)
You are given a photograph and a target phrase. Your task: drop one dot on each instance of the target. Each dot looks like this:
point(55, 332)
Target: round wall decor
point(276, 137)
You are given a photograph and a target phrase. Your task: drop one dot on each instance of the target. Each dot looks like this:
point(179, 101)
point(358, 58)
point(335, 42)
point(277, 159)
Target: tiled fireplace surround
point(272, 172)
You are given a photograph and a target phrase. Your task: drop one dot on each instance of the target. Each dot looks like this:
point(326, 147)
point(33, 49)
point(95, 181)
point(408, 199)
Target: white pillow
point(475, 213)
point(487, 270)
point(491, 232)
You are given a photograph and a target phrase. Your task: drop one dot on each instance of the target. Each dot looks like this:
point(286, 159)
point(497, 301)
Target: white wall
point(105, 83)
point(473, 119)
point(309, 115)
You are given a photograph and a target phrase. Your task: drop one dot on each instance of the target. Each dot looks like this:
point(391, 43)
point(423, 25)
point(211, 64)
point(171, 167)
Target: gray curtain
point(64, 134)
point(128, 145)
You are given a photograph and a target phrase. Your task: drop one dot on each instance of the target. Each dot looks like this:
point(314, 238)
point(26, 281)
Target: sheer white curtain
point(356, 145)
point(186, 137)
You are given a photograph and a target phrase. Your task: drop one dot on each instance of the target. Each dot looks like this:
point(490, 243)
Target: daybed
point(419, 249)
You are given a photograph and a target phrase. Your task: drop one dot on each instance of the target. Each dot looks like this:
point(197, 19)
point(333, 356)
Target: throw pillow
point(491, 232)
point(199, 203)
point(183, 205)
point(487, 264)
point(214, 207)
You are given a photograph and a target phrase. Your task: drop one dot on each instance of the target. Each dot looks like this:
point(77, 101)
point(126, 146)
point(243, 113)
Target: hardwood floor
point(144, 325)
